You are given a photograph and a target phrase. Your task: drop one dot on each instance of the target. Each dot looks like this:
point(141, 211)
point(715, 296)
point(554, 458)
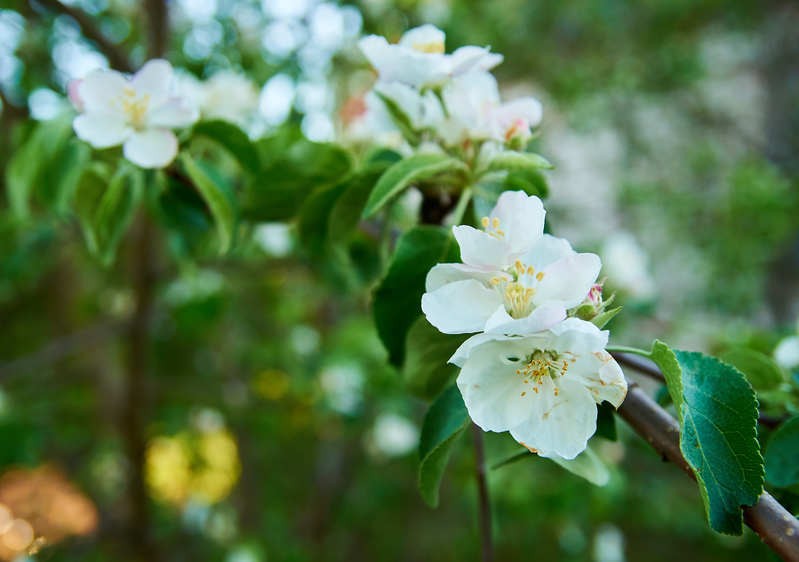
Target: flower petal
point(568, 280)
point(101, 130)
point(466, 59)
point(101, 90)
point(460, 307)
point(444, 273)
point(175, 113)
point(561, 424)
point(152, 148)
point(602, 376)
point(547, 250)
point(422, 37)
point(541, 318)
point(495, 395)
point(401, 64)
point(465, 350)
point(577, 336)
point(155, 80)
point(481, 250)
point(521, 218)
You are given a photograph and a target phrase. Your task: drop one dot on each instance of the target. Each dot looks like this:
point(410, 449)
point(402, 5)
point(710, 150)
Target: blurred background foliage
point(276, 430)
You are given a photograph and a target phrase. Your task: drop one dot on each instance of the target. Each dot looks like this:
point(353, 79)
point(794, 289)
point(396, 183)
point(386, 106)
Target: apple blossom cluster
point(534, 367)
point(424, 94)
point(140, 112)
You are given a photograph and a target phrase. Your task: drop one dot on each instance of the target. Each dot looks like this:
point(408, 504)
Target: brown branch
point(484, 512)
point(157, 15)
point(775, 526)
point(117, 58)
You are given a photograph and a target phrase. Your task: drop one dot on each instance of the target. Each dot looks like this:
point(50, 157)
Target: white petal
point(787, 352)
point(481, 250)
point(568, 280)
point(155, 80)
point(495, 395)
point(561, 425)
point(401, 64)
point(101, 90)
point(152, 148)
point(577, 336)
point(423, 36)
point(444, 273)
point(547, 250)
point(469, 58)
point(521, 218)
point(465, 350)
point(602, 376)
point(175, 113)
point(101, 130)
point(460, 307)
point(541, 318)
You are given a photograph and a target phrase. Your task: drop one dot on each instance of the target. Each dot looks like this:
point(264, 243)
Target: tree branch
point(484, 512)
point(117, 58)
point(775, 526)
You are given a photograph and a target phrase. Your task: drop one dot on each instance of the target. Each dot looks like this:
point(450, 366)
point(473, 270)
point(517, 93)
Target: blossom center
point(491, 225)
point(518, 288)
point(430, 47)
point(135, 107)
point(541, 364)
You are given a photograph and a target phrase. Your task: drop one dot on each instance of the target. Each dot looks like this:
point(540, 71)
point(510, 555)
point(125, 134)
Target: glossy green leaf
point(761, 370)
point(601, 320)
point(426, 371)
point(315, 217)
point(446, 419)
point(217, 200)
point(782, 455)
point(400, 119)
point(232, 139)
point(348, 208)
point(116, 210)
point(718, 419)
point(512, 161)
point(397, 300)
point(405, 173)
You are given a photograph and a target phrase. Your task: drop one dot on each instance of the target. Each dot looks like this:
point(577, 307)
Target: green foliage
point(403, 174)
point(446, 419)
point(396, 300)
point(232, 139)
point(586, 465)
point(216, 197)
point(782, 455)
point(425, 370)
point(511, 161)
point(718, 419)
point(106, 208)
point(761, 371)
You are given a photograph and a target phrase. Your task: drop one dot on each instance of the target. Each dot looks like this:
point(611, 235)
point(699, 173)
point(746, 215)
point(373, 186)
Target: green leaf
point(426, 371)
point(782, 455)
point(718, 419)
point(347, 210)
point(400, 119)
point(116, 210)
point(291, 175)
point(513, 161)
point(601, 320)
point(405, 173)
point(488, 189)
point(586, 465)
point(315, 215)
point(232, 139)
point(446, 419)
point(606, 421)
point(761, 370)
point(397, 300)
point(217, 200)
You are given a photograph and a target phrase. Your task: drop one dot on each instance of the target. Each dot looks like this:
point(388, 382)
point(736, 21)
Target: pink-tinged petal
point(444, 273)
point(460, 307)
point(175, 113)
point(101, 91)
point(541, 318)
point(561, 423)
point(155, 80)
point(496, 397)
point(521, 219)
point(73, 93)
point(568, 280)
point(481, 250)
point(152, 148)
point(101, 130)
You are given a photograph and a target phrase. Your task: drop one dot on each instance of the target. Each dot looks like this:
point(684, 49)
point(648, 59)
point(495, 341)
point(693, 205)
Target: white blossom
point(787, 353)
point(514, 279)
point(419, 59)
point(136, 112)
point(476, 112)
point(542, 388)
point(226, 95)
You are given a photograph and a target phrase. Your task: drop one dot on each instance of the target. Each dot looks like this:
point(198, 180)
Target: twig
point(775, 526)
point(157, 15)
point(117, 58)
point(484, 513)
point(61, 348)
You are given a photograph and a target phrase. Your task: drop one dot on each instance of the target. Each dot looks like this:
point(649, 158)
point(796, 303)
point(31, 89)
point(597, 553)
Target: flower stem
point(482, 492)
point(628, 349)
point(460, 209)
